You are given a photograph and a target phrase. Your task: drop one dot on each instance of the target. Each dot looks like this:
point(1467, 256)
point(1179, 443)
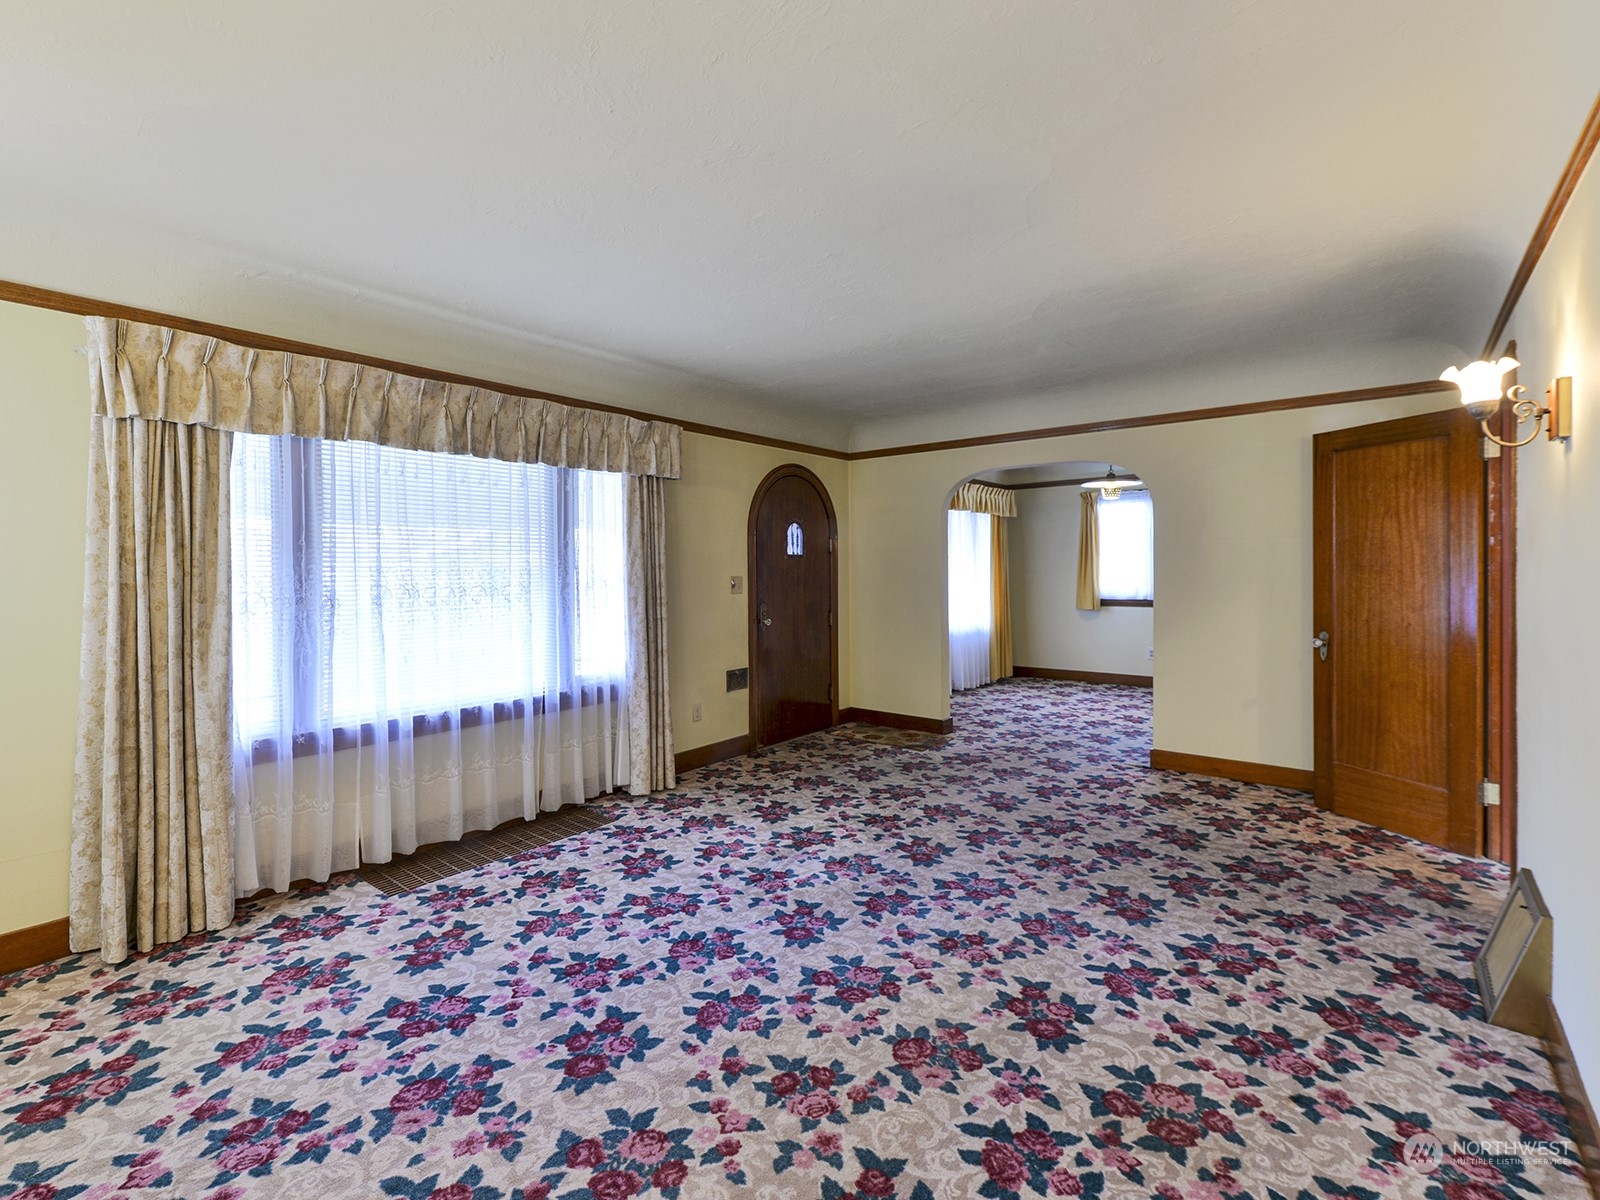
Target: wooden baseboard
point(1580, 1112)
point(736, 747)
point(24, 948)
point(704, 756)
point(1083, 676)
point(889, 720)
point(1230, 768)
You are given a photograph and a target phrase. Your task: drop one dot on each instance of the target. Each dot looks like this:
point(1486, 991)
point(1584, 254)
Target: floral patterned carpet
point(1016, 962)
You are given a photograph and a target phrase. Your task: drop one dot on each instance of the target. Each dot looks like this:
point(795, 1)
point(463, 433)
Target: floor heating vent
point(1514, 965)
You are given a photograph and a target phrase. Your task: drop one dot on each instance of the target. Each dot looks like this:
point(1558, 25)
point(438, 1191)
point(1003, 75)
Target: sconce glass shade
point(1480, 382)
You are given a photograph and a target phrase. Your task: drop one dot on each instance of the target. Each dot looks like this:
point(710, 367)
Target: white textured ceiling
point(842, 210)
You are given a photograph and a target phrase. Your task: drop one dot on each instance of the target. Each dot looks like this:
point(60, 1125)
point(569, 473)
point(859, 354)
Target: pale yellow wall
point(44, 462)
point(43, 469)
point(708, 513)
point(1557, 327)
point(1048, 628)
point(1233, 567)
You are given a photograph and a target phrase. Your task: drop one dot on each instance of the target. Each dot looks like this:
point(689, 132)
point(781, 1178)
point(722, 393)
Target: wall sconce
point(1480, 392)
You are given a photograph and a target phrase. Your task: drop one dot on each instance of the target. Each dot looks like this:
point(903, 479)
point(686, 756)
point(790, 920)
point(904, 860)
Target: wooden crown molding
point(1181, 416)
point(36, 297)
point(1043, 483)
point(1566, 185)
point(83, 306)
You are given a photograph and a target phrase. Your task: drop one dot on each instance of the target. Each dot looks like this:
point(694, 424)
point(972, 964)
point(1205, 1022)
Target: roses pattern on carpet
point(1011, 962)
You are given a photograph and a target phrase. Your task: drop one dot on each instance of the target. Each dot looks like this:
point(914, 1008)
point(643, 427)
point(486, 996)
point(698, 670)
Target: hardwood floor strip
point(430, 864)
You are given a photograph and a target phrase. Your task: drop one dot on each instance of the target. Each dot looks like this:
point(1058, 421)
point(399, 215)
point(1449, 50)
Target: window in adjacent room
point(1127, 549)
point(971, 594)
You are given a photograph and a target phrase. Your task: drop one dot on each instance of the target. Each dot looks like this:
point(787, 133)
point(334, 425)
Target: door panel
point(792, 594)
point(1398, 662)
point(1399, 718)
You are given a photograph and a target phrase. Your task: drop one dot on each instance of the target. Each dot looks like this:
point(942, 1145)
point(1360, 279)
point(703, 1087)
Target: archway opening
point(1050, 579)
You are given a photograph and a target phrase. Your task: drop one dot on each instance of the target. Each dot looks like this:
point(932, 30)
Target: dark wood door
point(793, 586)
point(1398, 518)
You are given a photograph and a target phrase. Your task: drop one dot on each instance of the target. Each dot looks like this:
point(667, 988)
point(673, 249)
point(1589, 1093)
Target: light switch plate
point(736, 585)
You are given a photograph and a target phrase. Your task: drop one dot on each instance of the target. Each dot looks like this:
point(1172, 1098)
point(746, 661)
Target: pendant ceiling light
point(1111, 486)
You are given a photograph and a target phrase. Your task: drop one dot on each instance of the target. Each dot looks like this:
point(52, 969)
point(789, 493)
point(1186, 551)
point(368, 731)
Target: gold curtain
point(152, 813)
point(1000, 657)
point(1089, 552)
point(981, 498)
point(650, 767)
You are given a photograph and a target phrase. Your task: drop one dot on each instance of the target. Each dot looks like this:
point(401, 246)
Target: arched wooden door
point(793, 597)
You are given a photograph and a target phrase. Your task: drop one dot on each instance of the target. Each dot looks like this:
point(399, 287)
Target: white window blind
point(1127, 547)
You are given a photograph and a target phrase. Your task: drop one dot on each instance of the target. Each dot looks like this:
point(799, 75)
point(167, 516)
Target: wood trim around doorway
point(1500, 640)
point(752, 591)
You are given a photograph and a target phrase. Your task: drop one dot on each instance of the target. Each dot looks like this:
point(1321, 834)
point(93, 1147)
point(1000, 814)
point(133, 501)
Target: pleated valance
point(161, 374)
point(981, 498)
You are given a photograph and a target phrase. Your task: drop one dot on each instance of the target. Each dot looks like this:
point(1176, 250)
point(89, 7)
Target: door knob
point(1320, 645)
point(766, 620)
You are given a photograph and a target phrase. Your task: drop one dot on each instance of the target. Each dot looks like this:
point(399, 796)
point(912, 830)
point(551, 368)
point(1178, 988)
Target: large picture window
point(373, 582)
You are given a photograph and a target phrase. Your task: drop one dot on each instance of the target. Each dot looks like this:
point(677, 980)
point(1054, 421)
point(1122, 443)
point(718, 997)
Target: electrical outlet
point(696, 715)
point(1150, 654)
point(739, 679)
point(735, 585)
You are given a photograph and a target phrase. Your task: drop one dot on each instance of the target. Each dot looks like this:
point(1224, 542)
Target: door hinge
point(830, 618)
point(830, 693)
point(1491, 448)
point(1489, 794)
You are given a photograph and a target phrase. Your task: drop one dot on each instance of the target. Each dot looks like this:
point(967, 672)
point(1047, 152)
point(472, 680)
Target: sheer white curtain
point(971, 598)
point(423, 644)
